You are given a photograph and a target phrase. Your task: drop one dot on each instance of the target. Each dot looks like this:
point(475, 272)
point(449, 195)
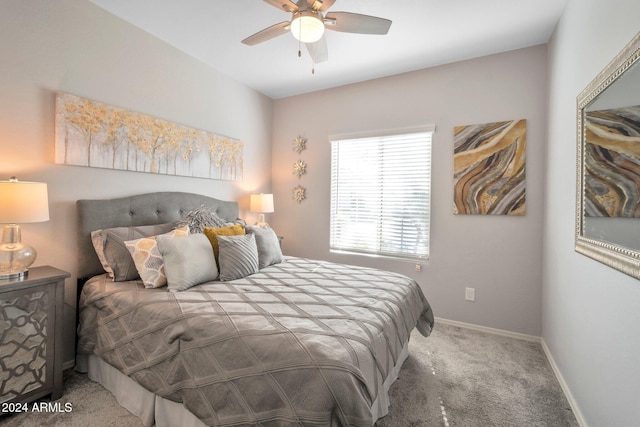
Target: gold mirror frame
point(621, 258)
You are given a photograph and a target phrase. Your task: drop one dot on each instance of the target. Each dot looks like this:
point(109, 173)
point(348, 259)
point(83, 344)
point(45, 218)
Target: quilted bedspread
point(302, 342)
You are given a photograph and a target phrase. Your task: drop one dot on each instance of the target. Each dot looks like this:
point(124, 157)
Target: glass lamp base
point(15, 276)
point(15, 256)
point(261, 223)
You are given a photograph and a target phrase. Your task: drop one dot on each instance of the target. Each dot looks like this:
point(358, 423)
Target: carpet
point(477, 379)
point(456, 377)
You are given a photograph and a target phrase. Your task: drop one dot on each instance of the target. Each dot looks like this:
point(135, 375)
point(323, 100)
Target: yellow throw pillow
point(211, 233)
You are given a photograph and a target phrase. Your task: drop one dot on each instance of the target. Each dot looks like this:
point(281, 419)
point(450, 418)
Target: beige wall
point(75, 47)
point(591, 313)
point(500, 256)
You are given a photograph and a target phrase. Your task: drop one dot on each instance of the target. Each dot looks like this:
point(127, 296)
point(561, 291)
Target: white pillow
point(188, 260)
point(148, 260)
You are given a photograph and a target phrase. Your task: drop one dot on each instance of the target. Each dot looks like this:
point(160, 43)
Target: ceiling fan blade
point(318, 50)
point(267, 34)
point(286, 5)
point(355, 23)
point(321, 5)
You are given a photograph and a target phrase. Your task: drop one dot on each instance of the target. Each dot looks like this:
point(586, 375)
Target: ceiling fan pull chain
point(300, 43)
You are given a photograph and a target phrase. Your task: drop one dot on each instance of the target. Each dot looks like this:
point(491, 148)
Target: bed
point(299, 342)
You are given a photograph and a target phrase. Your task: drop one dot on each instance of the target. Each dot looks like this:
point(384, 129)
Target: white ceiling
point(424, 33)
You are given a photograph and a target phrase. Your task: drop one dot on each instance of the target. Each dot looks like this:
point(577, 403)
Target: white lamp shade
point(262, 203)
point(22, 201)
point(307, 26)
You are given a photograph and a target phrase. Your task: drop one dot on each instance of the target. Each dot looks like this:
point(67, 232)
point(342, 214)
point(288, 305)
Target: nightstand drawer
point(30, 335)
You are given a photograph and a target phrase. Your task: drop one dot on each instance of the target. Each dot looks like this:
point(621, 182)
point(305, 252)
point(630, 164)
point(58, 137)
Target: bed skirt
point(155, 410)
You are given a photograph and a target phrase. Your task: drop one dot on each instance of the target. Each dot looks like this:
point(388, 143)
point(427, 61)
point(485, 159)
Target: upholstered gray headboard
point(143, 209)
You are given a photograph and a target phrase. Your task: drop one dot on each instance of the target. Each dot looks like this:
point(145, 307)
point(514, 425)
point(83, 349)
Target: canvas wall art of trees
point(89, 133)
point(612, 163)
point(489, 168)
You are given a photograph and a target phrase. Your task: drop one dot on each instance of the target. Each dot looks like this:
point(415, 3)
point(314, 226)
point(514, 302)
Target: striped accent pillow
point(238, 256)
point(213, 233)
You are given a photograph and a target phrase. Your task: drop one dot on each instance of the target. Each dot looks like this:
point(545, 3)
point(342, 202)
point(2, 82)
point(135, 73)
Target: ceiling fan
point(309, 20)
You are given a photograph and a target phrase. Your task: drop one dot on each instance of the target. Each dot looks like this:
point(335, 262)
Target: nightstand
point(31, 335)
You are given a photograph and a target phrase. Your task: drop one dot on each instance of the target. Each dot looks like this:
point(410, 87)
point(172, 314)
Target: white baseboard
point(554, 367)
point(565, 387)
point(494, 331)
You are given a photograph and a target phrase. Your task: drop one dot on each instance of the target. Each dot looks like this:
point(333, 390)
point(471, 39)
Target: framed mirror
point(608, 164)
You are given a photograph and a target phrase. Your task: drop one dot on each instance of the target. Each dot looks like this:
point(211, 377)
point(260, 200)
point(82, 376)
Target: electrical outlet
point(418, 267)
point(470, 294)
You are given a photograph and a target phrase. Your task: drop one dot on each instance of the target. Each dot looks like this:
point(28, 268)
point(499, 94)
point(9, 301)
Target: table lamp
point(19, 202)
point(261, 203)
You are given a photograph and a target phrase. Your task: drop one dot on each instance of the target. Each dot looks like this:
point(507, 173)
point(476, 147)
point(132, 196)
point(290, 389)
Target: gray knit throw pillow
point(199, 218)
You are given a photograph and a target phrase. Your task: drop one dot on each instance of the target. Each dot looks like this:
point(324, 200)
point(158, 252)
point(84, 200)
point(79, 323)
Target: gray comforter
point(300, 343)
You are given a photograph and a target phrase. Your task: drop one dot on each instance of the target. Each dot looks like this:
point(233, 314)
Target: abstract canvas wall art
point(489, 168)
point(612, 163)
point(89, 133)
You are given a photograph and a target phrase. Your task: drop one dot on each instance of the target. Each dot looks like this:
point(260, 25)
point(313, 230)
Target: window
point(380, 194)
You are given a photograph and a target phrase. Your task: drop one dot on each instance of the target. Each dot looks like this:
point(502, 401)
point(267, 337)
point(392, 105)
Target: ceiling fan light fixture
point(307, 26)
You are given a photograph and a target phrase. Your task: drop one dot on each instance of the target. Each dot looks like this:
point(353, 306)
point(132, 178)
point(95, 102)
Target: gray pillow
point(269, 251)
point(238, 256)
point(113, 253)
point(188, 260)
point(199, 218)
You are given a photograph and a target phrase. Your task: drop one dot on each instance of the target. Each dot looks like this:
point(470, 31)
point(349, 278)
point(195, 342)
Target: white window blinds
point(380, 195)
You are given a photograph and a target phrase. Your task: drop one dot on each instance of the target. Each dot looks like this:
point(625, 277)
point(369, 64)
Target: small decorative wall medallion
point(299, 193)
point(299, 168)
point(299, 144)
